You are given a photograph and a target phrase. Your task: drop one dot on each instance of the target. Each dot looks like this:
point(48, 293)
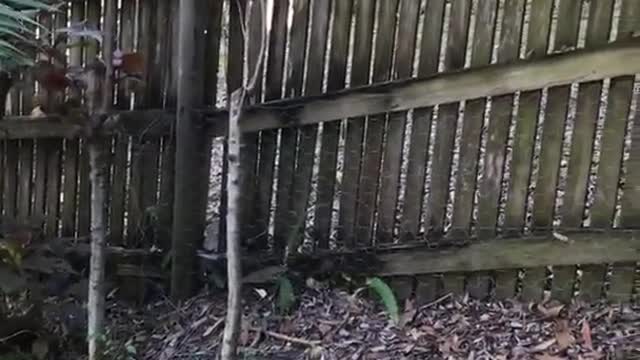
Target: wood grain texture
point(446, 121)
point(528, 252)
point(308, 134)
point(395, 130)
point(490, 185)
point(586, 118)
point(288, 137)
point(273, 90)
point(421, 126)
point(610, 160)
point(364, 13)
point(11, 150)
point(25, 185)
point(554, 70)
point(554, 122)
point(622, 283)
point(342, 11)
point(375, 125)
point(525, 131)
point(250, 141)
point(582, 142)
point(472, 125)
point(620, 94)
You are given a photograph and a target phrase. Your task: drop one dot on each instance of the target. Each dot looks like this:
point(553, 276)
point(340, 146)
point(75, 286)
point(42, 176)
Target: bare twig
point(250, 87)
point(291, 339)
point(436, 301)
point(15, 334)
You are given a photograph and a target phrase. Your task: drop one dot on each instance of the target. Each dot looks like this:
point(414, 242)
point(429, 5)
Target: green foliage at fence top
point(18, 29)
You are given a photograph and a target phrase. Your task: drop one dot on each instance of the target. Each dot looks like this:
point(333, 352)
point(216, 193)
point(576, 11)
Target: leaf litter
point(334, 324)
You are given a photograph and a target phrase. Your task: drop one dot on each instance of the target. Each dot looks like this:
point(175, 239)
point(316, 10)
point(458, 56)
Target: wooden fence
point(504, 141)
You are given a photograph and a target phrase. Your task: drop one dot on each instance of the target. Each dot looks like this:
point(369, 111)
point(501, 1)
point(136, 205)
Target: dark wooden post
point(191, 152)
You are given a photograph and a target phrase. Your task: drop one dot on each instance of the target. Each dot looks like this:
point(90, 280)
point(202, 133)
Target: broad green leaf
point(33, 4)
point(386, 295)
point(286, 297)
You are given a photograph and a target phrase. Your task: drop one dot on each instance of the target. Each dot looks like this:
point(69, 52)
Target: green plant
point(286, 296)
point(18, 29)
point(386, 295)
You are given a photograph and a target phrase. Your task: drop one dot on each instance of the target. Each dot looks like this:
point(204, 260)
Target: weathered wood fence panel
point(518, 125)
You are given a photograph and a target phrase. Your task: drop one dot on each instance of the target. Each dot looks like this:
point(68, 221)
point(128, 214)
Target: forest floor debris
point(335, 324)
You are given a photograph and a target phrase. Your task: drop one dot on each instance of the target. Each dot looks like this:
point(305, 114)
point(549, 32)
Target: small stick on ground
point(291, 339)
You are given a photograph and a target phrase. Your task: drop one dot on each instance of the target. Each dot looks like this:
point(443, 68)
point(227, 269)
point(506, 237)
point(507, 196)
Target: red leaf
point(129, 63)
point(586, 335)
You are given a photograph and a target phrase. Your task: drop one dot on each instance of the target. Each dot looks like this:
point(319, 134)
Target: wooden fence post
point(191, 152)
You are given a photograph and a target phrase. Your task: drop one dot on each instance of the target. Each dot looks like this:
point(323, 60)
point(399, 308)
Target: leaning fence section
point(518, 166)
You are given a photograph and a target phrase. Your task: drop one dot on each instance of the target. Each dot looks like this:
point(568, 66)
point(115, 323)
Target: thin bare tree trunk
point(100, 99)
point(237, 103)
point(98, 175)
point(234, 211)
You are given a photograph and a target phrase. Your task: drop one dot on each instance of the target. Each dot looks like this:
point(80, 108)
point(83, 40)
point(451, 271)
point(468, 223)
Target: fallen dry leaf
point(563, 334)
point(550, 312)
point(586, 335)
point(543, 346)
point(324, 328)
point(409, 313)
point(546, 356)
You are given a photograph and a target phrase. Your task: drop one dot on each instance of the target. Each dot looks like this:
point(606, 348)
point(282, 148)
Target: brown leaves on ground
point(333, 324)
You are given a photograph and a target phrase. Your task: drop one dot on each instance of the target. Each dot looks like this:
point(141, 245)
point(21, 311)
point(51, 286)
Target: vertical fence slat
point(472, 125)
point(445, 135)
point(25, 154)
point(523, 144)
point(53, 149)
point(421, 126)
point(390, 177)
point(25, 159)
point(553, 127)
point(630, 215)
point(308, 134)
point(500, 116)
point(70, 187)
point(268, 138)
point(331, 130)
point(598, 27)
point(621, 283)
point(44, 99)
point(288, 136)
point(10, 177)
point(375, 126)
point(619, 101)
point(478, 284)
point(40, 176)
point(121, 142)
point(551, 152)
point(213, 38)
point(365, 12)
point(623, 275)
point(499, 121)
point(447, 119)
point(250, 142)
